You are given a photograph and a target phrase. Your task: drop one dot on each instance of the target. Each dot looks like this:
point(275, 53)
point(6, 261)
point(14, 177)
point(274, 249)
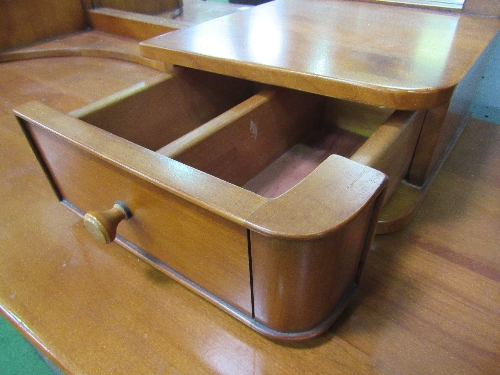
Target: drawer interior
point(154, 113)
point(261, 138)
point(273, 140)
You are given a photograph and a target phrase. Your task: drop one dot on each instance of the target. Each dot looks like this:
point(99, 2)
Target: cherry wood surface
point(341, 49)
point(428, 303)
point(390, 149)
point(245, 140)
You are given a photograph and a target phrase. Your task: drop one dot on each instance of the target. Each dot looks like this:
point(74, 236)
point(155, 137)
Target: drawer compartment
point(272, 141)
point(277, 143)
point(154, 113)
point(246, 197)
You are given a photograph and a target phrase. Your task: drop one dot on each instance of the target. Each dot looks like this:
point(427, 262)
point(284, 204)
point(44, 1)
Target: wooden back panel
point(25, 21)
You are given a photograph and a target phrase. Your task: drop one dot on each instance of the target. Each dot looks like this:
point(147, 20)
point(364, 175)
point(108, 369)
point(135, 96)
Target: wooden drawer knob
point(102, 224)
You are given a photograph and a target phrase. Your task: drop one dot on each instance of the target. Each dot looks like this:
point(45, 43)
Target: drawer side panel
point(300, 284)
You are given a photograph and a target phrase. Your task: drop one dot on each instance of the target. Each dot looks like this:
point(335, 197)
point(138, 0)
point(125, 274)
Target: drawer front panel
point(207, 249)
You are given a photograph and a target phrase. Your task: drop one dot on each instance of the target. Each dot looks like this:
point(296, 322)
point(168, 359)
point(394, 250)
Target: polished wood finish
point(443, 125)
point(341, 49)
point(249, 245)
point(428, 301)
point(77, 79)
point(143, 26)
point(332, 258)
point(425, 304)
point(400, 208)
point(425, 156)
point(263, 145)
point(73, 39)
point(97, 295)
point(167, 213)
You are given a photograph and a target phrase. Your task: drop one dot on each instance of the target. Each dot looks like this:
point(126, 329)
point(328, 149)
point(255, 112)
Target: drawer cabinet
point(259, 198)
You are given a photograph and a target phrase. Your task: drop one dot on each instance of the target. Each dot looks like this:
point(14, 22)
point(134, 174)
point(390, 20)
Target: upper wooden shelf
point(384, 55)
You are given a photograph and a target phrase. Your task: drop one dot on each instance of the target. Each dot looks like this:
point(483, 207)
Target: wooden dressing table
point(119, 311)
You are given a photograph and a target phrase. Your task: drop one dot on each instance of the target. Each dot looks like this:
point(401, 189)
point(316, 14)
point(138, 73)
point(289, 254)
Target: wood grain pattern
point(289, 303)
point(341, 49)
point(67, 84)
point(273, 140)
point(144, 26)
point(425, 157)
point(428, 301)
point(71, 151)
point(422, 312)
point(443, 125)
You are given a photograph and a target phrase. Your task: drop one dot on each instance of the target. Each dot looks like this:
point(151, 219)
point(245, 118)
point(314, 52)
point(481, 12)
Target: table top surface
point(385, 55)
point(428, 303)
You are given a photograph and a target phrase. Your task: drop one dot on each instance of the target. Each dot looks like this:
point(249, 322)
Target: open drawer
point(243, 193)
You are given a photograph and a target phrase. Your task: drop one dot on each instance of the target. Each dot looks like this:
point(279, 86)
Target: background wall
point(486, 103)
